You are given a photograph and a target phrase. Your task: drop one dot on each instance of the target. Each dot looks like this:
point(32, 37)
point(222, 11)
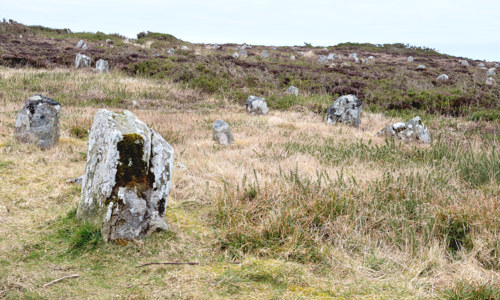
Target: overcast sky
point(458, 27)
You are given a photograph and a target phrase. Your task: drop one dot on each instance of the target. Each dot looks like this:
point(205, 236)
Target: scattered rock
point(127, 177)
point(102, 66)
point(236, 55)
point(171, 51)
point(82, 61)
point(265, 54)
point(421, 67)
point(76, 180)
point(491, 72)
point(463, 62)
point(410, 59)
point(292, 91)
point(222, 134)
point(443, 77)
point(256, 105)
point(490, 81)
point(413, 130)
point(243, 53)
point(346, 109)
point(38, 122)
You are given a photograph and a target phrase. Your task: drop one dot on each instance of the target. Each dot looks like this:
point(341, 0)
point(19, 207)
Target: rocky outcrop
point(222, 134)
point(102, 66)
point(292, 91)
point(38, 122)
point(82, 61)
point(346, 110)
point(413, 130)
point(127, 177)
point(256, 105)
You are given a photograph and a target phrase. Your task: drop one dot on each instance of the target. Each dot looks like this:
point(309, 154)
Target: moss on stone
point(132, 170)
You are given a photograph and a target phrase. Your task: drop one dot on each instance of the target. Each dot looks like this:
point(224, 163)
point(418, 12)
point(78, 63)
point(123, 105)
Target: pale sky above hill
point(458, 27)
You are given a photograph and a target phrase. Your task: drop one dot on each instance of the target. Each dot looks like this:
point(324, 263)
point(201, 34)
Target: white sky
point(463, 28)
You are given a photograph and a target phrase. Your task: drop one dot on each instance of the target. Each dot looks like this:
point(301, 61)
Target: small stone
point(84, 47)
point(421, 67)
point(185, 48)
point(256, 105)
point(292, 91)
point(222, 134)
point(216, 46)
point(80, 44)
point(171, 51)
point(443, 77)
point(353, 55)
point(76, 180)
point(135, 104)
point(323, 59)
point(410, 59)
point(463, 62)
point(236, 55)
point(331, 56)
point(413, 130)
point(108, 41)
point(82, 61)
point(102, 66)
point(265, 54)
point(346, 109)
point(243, 53)
point(38, 122)
point(490, 81)
point(481, 65)
point(292, 57)
point(491, 72)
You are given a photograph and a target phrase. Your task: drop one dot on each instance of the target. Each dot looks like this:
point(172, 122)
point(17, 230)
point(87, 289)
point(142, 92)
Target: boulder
point(265, 54)
point(413, 130)
point(222, 134)
point(127, 178)
point(243, 53)
point(346, 109)
point(256, 105)
point(491, 72)
point(38, 122)
point(410, 59)
point(490, 81)
point(463, 62)
point(82, 61)
point(421, 67)
point(102, 66)
point(292, 91)
point(443, 77)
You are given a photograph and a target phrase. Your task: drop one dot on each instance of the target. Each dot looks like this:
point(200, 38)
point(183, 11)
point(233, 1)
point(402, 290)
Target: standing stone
point(102, 66)
point(222, 134)
point(413, 130)
point(127, 177)
point(443, 77)
point(323, 59)
point(38, 122)
point(185, 48)
point(463, 62)
point(243, 53)
point(410, 59)
point(82, 61)
point(80, 44)
point(292, 91)
point(331, 56)
point(256, 105)
point(491, 72)
point(353, 55)
point(481, 65)
point(346, 109)
point(171, 51)
point(265, 54)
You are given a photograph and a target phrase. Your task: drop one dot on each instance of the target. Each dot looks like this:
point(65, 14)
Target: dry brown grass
point(34, 198)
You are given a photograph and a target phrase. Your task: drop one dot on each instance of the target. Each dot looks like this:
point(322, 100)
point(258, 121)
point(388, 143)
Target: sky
point(468, 29)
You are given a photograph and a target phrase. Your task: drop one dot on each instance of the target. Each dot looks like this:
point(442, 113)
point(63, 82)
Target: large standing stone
point(413, 130)
point(82, 61)
point(346, 109)
point(292, 91)
point(127, 177)
point(256, 105)
point(102, 66)
point(222, 134)
point(38, 122)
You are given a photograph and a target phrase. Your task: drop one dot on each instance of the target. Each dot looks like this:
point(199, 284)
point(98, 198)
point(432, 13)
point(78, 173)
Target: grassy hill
point(296, 209)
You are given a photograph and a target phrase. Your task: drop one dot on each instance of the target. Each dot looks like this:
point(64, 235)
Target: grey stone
point(410, 59)
point(85, 47)
point(481, 65)
point(463, 62)
point(171, 51)
point(490, 81)
point(353, 55)
point(127, 177)
point(222, 134)
point(346, 109)
point(108, 41)
point(82, 61)
point(185, 48)
point(331, 56)
point(443, 77)
point(323, 59)
point(292, 91)
point(38, 122)
point(292, 57)
point(256, 105)
point(80, 44)
point(243, 53)
point(102, 66)
point(236, 55)
point(265, 54)
point(413, 130)
point(216, 46)
point(421, 67)
point(491, 72)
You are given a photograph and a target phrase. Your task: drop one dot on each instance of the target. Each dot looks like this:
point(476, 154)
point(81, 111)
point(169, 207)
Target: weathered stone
point(346, 109)
point(216, 46)
point(38, 122)
point(102, 66)
point(222, 134)
point(443, 77)
point(410, 59)
point(85, 47)
point(421, 67)
point(80, 44)
point(171, 51)
point(463, 62)
point(236, 55)
point(256, 105)
point(265, 54)
point(127, 177)
point(491, 72)
point(82, 61)
point(185, 48)
point(413, 130)
point(353, 55)
point(292, 91)
point(243, 53)
point(331, 56)
point(292, 57)
point(490, 81)
point(323, 59)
